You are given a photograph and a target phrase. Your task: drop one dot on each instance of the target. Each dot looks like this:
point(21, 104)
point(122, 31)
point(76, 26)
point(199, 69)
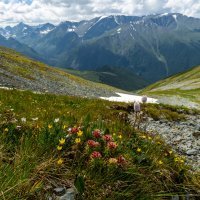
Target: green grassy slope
point(142, 166)
point(21, 72)
point(119, 77)
point(184, 85)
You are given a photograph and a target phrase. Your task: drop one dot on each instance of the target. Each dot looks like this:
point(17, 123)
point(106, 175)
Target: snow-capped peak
point(175, 17)
point(44, 32)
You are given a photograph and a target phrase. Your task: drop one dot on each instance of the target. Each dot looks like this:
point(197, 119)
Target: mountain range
point(153, 47)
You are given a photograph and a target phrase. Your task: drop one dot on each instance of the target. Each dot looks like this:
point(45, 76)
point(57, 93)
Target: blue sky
point(55, 11)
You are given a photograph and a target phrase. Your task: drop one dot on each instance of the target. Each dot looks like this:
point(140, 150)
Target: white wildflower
point(56, 120)
point(23, 119)
point(35, 119)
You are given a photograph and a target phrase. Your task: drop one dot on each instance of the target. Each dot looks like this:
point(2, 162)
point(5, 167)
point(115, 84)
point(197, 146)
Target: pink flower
point(92, 143)
point(96, 154)
point(107, 138)
point(74, 130)
point(121, 160)
point(96, 133)
point(144, 99)
point(112, 145)
point(137, 107)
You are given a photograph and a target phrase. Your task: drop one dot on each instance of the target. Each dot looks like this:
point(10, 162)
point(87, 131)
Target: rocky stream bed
point(182, 136)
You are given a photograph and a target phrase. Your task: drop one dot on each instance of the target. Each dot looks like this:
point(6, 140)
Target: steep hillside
point(119, 77)
point(182, 89)
point(17, 71)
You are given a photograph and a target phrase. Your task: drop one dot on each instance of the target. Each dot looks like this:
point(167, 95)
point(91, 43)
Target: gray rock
point(196, 134)
point(69, 195)
point(183, 137)
point(192, 152)
point(175, 197)
point(60, 191)
point(192, 124)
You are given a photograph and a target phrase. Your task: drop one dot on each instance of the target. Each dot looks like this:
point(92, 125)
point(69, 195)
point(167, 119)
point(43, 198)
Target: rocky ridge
point(182, 136)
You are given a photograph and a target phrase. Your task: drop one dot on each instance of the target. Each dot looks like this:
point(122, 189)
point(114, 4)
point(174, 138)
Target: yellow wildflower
point(59, 148)
point(120, 136)
point(112, 160)
point(139, 150)
point(170, 152)
point(114, 134)
point(160, 162)
point(64, 126)
point(50, 126)
point(62, 141)
point(143, 136)
point(80, 133)
point(150, 138)
point(77, 140)
point(6, 129)
point(181, 161)
point(60, 161)
point(176, 159)
point(159, 143)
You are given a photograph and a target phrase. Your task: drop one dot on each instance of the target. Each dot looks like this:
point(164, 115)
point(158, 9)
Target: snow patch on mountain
point(164, 14)
point(116, 21)
point(175, 17)
point(119, 30)
point(70, 29)
point(44, 32)
point(128, 98)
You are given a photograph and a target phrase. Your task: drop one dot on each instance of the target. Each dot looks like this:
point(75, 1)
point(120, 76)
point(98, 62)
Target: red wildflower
point(74, 130)
point(107, 138)
point(96, 154)
point(96, 133)
point(92, 143)
point(121, 160)
point(112, 145)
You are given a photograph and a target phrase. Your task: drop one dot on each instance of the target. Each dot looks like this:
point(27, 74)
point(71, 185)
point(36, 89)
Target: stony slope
point(181, 89)
point(17, 71)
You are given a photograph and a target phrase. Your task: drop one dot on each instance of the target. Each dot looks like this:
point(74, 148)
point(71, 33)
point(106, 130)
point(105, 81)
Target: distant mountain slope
point(20, 47)
point(119, 77)
point(17, 71)
point(181, 89)
point(153, 47)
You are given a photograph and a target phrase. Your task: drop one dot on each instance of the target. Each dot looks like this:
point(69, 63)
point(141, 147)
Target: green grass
point(29, 155)
point(185, 85)
point(191, 74)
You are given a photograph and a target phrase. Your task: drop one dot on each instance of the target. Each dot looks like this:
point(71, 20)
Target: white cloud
point(55, 11)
